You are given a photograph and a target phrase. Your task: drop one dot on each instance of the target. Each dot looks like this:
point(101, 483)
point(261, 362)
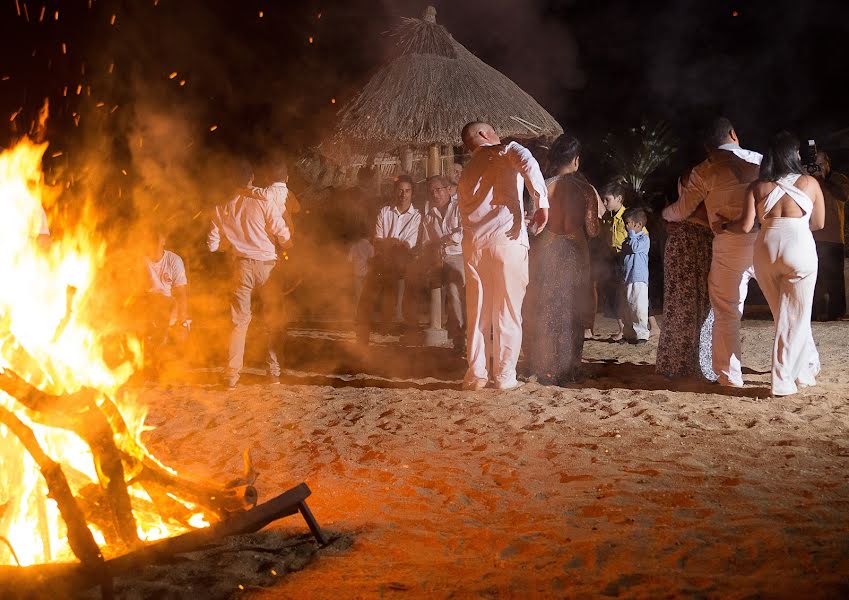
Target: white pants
point(786, 267)
point(636, 311)
point(728, 283)
point(496, 279)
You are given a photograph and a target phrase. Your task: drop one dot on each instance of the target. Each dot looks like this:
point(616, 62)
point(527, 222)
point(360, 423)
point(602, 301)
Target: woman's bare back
point(574, 206)
point(786, 206)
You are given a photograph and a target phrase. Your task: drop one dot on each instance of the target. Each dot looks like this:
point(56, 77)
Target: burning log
point(79, 535)
point(27, 581)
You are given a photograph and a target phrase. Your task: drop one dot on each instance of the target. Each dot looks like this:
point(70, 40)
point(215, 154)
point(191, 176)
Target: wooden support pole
point(434, 161)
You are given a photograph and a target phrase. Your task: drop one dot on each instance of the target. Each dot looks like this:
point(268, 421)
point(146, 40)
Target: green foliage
point(639, 152)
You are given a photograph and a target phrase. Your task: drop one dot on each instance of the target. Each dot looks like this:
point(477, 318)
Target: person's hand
point(720, 226)
point(515, 231)
point(539, 220)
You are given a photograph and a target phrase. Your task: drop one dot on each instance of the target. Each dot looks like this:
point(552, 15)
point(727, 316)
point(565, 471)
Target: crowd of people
point(739, 215)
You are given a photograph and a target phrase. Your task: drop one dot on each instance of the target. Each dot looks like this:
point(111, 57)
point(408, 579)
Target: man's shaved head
point(478, 133)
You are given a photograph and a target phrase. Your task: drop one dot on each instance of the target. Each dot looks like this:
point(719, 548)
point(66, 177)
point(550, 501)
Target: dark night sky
point(597, 66)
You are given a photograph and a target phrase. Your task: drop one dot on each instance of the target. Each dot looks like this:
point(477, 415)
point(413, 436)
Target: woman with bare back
point(559, 296)
point(788, 205)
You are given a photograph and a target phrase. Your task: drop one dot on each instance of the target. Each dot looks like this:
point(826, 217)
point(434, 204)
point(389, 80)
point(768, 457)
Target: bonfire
point(77, 484)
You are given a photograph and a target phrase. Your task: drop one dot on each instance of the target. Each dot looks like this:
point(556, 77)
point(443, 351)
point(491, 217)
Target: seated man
point(441, 237)
point(395, 235)
point(166, 299)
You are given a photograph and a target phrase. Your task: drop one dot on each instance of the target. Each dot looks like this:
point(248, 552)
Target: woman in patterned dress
point(684, 349)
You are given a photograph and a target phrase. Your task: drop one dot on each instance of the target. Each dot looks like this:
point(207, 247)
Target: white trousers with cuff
point(728, 284)
point(496, 280)
point(636, 311)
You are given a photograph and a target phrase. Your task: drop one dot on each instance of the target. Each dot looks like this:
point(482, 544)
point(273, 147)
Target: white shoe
point(510, 385)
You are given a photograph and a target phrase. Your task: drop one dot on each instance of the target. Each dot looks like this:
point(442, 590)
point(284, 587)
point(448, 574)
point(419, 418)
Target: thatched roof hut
point(423, 96)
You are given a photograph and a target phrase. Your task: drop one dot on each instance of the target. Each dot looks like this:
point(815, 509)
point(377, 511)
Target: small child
point(635, 273)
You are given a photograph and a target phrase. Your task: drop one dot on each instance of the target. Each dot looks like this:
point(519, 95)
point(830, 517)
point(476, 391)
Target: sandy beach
point(626, 485)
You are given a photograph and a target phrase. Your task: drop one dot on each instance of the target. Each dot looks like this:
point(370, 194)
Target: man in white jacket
point(495, 250)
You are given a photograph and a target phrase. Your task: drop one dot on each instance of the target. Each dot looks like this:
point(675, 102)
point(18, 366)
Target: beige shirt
point(720, 182)
point(491, 184)
point(446, 225)
point(250, 226)
point(403, 226)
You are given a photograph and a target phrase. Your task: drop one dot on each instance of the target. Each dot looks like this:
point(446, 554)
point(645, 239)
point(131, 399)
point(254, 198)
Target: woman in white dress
point(788, 205)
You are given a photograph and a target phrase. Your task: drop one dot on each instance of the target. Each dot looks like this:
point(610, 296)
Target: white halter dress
point(786, 269)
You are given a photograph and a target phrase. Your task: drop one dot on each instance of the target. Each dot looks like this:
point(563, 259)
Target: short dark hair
point(613, 188)
point(635, 214)
point(781, 157)
point(440, 178)
point(465, 131)
point(564, 150)
point(717, 132)
point(403, 179)
point(280, 171)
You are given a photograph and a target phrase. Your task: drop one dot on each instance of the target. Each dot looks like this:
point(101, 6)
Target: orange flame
point(67, 352)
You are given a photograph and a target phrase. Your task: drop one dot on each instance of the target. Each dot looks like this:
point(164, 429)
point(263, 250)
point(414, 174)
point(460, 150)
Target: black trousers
point(830, 293)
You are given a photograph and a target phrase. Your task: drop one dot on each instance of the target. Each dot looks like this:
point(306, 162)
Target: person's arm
point(591, 217)
point(639, 244)
point(276, 225)
point(380, 228)
point(273, 193)
point(818, 213)
point(181, 296)
point(524, 162)
point(213, 238)
point(692, 194)
point(746, 221)
point(290, 223)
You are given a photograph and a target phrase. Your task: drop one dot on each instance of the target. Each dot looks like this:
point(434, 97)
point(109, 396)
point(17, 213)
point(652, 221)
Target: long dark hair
point(563, 151)
point(781, 158)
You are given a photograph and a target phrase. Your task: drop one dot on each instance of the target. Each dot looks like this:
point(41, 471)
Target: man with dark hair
point(279, 193)
point(830, 291)
point(721, 182)
point(253, 229)
point(396, 233)
point(495, 250)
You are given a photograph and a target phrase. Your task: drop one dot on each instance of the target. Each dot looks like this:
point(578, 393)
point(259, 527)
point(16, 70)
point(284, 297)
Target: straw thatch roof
point(426, 93)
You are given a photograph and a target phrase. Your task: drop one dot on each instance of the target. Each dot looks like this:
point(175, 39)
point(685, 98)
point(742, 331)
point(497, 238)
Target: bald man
point(495, 251)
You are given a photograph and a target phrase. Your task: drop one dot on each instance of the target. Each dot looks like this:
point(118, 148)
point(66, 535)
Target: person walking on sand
point(495, 250)
point(788, 205)
point(721, 182)
point(250, 227)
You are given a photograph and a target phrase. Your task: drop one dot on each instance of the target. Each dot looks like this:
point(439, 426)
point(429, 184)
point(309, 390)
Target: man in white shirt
point(250, 227)
point(455, 171)
point(721, 182)
point(441, 238)
point(495, 250)
point(396, 233)
point(166, 298)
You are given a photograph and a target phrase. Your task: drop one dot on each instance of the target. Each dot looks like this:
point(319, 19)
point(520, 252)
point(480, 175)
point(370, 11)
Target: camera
point(808, 154)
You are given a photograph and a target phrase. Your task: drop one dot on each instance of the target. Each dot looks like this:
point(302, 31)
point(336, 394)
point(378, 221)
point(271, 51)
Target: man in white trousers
point(721, 182)
point(495, 250)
